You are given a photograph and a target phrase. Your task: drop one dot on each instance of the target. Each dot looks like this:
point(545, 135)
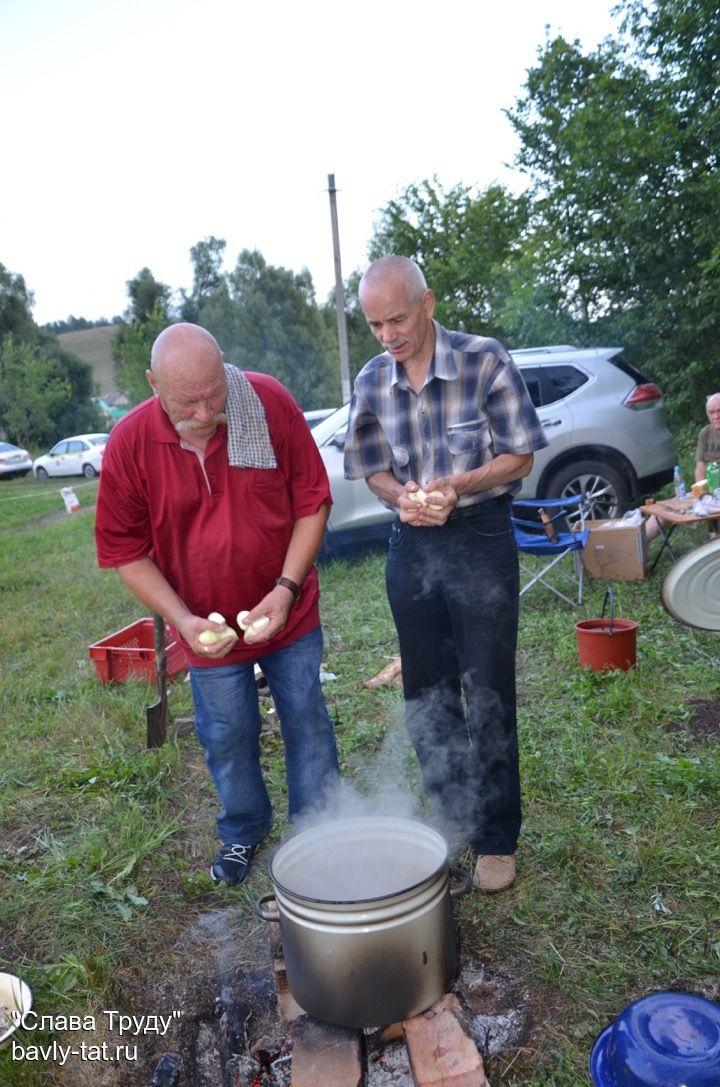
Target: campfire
point(257, 1036)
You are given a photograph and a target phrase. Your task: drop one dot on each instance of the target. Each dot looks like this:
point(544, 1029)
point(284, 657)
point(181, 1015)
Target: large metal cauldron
point(365, 913)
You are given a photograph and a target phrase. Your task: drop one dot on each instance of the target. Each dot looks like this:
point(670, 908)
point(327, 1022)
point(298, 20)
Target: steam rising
point(452, 761)
point(445, 796)
point(388, 784)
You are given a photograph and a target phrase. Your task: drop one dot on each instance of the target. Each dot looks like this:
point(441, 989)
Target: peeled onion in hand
point(420, 496)
point(210, 637)
point(255, 627)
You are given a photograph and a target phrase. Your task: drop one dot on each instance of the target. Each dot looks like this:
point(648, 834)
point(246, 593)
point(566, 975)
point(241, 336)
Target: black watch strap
point(289, 584)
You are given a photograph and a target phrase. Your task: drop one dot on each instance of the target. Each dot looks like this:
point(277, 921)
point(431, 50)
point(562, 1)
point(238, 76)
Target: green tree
point(147, 315)
point(362, 345)
point(81, 415)
point(621, 147)
point(266, 318)
point(131, 347)
point(531, 311)
point(33, 396)
point(207, 258)
point(464, 241)
point(45, 392)
point(77, 324)
point(15, 306)
point(146, 295)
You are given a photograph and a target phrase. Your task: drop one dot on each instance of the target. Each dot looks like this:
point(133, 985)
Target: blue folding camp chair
point(565, 520)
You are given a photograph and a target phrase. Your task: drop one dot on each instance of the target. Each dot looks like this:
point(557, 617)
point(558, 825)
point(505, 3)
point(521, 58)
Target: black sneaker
point(232, 864)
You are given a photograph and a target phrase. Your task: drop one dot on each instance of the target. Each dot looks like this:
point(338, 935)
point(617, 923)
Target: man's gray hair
point(395, 267)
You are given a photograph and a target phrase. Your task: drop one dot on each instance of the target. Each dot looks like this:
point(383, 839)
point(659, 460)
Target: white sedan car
point(13, 461)
point(80, 455)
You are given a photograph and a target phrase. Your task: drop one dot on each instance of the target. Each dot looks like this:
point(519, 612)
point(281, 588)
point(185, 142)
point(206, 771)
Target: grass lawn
point(104, 846)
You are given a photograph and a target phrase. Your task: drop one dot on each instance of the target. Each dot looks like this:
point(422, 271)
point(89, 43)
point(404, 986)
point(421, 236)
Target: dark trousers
point(453, 592)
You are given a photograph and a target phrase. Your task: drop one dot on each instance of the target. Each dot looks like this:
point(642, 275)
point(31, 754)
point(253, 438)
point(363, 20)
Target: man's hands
point(190, 627)
point(497, 473)
point(429, 506)
point(276, 606)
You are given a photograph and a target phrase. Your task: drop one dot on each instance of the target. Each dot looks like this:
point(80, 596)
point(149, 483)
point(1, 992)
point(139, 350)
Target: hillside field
point(93, 345)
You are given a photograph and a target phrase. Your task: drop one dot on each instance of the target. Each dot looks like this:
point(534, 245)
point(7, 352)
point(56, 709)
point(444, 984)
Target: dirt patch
point(705, 721)
point(57, 515)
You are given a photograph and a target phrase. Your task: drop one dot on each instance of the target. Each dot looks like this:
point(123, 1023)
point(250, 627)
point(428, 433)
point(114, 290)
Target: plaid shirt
point(473, 407)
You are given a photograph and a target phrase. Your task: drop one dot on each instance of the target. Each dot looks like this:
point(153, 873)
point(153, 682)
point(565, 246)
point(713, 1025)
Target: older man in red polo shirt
point(213, 498)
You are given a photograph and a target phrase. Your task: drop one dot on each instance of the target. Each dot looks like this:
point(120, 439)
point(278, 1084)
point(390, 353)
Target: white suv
point(605, 424)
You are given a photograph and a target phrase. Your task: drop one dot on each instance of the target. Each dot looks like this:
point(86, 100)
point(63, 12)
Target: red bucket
point(607, 644)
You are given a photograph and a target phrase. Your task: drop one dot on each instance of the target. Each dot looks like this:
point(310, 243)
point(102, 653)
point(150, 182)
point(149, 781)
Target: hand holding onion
point(428, 507)
point(420, 496)
point(250, 629)
point(210, 637)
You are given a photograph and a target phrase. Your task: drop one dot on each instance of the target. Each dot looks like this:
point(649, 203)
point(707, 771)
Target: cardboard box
point(615, 551)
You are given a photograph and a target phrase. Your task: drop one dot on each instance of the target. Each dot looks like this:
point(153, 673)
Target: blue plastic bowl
point(663, 1040)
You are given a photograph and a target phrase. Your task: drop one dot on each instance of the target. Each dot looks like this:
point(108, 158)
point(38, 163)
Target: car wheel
point(88, 471)
point(41, 473)
point(605, 491)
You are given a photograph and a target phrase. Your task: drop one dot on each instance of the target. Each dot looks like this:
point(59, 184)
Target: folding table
point(671, 512)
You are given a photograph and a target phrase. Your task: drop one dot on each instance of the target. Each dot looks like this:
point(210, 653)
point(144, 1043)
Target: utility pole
point(339, 297)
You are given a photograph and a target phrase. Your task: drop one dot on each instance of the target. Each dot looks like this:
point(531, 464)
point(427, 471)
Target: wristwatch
point(293, 586)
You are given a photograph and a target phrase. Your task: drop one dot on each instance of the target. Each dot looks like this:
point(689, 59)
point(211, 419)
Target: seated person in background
point(708, 445)
point(707, 450)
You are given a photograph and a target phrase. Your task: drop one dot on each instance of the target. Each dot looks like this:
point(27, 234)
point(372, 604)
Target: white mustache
point(183, 426)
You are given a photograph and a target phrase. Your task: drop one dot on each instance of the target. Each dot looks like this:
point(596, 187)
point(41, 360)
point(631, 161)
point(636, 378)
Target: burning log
point(167, 1071)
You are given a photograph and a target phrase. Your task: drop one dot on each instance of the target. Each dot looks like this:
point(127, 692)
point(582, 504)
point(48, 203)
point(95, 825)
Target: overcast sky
point(132, 129)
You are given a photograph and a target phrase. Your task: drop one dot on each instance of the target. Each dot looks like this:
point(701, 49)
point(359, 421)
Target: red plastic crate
point(130, 652)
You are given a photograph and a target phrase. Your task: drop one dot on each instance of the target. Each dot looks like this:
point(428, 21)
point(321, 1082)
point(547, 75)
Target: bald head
point(188, 377)
point(400, 271)
point(712, 407)
point(184, 346)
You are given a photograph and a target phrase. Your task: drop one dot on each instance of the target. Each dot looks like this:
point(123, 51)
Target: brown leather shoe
point(494, 873)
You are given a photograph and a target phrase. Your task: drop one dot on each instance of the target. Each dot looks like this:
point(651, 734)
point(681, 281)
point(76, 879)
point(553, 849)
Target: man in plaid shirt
point(442, 429)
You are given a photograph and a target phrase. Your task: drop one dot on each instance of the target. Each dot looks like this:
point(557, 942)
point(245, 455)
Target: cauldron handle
point(464, 875)
point(264, 913)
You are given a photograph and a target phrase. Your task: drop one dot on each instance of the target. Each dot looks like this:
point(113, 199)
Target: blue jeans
point(228, 725)
point(453, 592)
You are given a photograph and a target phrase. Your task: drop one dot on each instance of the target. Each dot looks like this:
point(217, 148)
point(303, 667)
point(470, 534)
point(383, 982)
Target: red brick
point(441, 1048)
point(288, 1006)
point(323, 1054)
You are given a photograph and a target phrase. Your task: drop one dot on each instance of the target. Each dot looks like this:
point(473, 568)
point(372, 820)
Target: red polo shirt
point(220, 535)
